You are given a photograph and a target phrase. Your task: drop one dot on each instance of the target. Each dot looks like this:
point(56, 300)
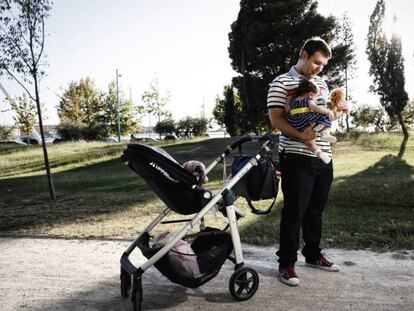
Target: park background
point(371, 199)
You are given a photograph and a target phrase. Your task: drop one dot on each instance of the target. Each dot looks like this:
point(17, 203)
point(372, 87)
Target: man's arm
point(278, 121)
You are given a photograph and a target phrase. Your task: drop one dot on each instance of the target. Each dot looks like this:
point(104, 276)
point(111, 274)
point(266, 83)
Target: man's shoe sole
point(333, 268)
point(291, 282)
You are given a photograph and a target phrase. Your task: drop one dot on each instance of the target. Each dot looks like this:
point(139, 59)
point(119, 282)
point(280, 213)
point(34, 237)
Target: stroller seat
point(175, 186)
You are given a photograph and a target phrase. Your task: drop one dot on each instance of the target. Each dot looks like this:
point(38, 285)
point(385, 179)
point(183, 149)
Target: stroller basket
point(211, 251)
point(167, 179)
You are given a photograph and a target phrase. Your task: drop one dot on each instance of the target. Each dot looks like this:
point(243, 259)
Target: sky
point(182, 43)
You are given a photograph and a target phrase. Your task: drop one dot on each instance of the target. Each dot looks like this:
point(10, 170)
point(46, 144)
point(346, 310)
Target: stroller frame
point(232, 214)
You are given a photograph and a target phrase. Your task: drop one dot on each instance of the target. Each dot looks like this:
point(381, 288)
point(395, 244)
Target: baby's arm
point(287, 106)
point(320, 109)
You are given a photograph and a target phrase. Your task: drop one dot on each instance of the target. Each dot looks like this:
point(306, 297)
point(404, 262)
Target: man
point(306, 180)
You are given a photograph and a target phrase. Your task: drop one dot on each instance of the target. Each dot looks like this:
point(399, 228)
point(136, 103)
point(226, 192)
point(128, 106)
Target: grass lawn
point(371, 203)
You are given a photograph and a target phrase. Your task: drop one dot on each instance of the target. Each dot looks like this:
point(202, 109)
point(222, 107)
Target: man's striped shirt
point(280, 88)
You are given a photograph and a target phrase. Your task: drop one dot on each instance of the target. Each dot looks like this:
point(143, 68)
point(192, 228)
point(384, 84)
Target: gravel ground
point(54, 274)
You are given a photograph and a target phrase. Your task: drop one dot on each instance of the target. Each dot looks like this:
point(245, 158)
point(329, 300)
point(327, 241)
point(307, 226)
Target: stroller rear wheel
point(244, 283)
point(125, 283)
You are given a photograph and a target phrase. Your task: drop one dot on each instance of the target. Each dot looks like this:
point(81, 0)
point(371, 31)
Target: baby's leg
point(326, 135)
point(318, 152)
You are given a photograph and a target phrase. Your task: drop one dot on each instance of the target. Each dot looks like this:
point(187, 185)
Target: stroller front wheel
point(243, 283)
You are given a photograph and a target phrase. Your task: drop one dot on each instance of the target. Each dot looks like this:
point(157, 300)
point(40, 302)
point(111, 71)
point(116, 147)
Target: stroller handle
point(245, 139)
point(239, 143)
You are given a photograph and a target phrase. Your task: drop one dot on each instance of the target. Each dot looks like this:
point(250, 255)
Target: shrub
point(5, 132)
point(95, 131)
point(71, 130)
point(75, 130)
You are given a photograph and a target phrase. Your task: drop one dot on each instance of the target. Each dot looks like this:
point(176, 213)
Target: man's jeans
point(306, 182)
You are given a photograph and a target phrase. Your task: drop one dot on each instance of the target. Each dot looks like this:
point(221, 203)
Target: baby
point(198, 169)
point(302, 110)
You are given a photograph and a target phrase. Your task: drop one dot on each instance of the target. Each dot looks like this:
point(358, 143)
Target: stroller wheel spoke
point(244, 283)
point(240, 290)
point(250, 279)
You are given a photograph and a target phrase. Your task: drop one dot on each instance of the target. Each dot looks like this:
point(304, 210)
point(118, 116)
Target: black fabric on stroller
point(211, 250)
point(171, 182)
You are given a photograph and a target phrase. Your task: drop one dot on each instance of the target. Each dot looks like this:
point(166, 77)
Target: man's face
point(313, 65)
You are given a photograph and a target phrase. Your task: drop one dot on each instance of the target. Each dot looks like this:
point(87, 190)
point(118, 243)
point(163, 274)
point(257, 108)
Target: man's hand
point(309, 133)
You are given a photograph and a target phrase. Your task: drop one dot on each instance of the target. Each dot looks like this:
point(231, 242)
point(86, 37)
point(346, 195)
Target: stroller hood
point(173, 184)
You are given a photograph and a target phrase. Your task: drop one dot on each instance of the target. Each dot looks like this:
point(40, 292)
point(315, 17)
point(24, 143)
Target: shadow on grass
point(373, 208)
point(102, 188)
point(105, 187)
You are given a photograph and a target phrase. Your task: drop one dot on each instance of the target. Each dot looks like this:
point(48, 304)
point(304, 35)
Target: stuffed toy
point(337, 98)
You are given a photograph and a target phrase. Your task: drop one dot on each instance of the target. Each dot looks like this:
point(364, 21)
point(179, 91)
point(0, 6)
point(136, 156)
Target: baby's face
point(312, 94)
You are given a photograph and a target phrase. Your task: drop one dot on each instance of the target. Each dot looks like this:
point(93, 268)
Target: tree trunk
point(42, 135)
point(402, 124)
point(346, 96)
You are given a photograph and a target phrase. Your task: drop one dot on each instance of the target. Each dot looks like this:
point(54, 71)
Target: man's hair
point(316, 44)
point(305, 86)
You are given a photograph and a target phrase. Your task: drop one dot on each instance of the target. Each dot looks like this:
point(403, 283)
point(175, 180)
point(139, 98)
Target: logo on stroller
point(163, 172)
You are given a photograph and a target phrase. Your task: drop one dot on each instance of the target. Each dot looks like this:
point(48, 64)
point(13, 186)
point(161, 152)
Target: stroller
point(183, 193)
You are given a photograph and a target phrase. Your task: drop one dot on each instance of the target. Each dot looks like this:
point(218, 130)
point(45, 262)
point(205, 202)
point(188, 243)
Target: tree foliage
point(265, 41)
point(83, 102)
point(344, 42)
point(189, 126)
point(129, 112)
point(387, 67)
point(165, 126)
point(5, 132)
point(227, 111)
point(154, 102)
point(25, 111)
point(366, 116)
point(408, 114)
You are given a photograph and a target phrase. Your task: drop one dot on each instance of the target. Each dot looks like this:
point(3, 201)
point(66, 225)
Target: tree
point(200, 126)
point(165, 126)
point(128, 112)
point(189, 126)
point(5, 132)
point(387, 67)
point(81, 101)
point(227, 111)
point(345, 41)
point(366, 116)
point(185, 126)
point(25, 111)
point(154, 103)
point(21, 50)
point(265, 41)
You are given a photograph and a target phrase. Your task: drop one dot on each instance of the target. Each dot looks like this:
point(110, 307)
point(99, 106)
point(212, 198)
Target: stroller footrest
point(175, 221)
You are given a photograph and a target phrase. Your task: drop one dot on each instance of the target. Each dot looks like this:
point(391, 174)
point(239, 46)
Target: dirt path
point(51, 274)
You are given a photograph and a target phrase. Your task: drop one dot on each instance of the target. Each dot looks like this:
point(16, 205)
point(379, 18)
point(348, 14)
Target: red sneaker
point(288, 276)
point(324, 264)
